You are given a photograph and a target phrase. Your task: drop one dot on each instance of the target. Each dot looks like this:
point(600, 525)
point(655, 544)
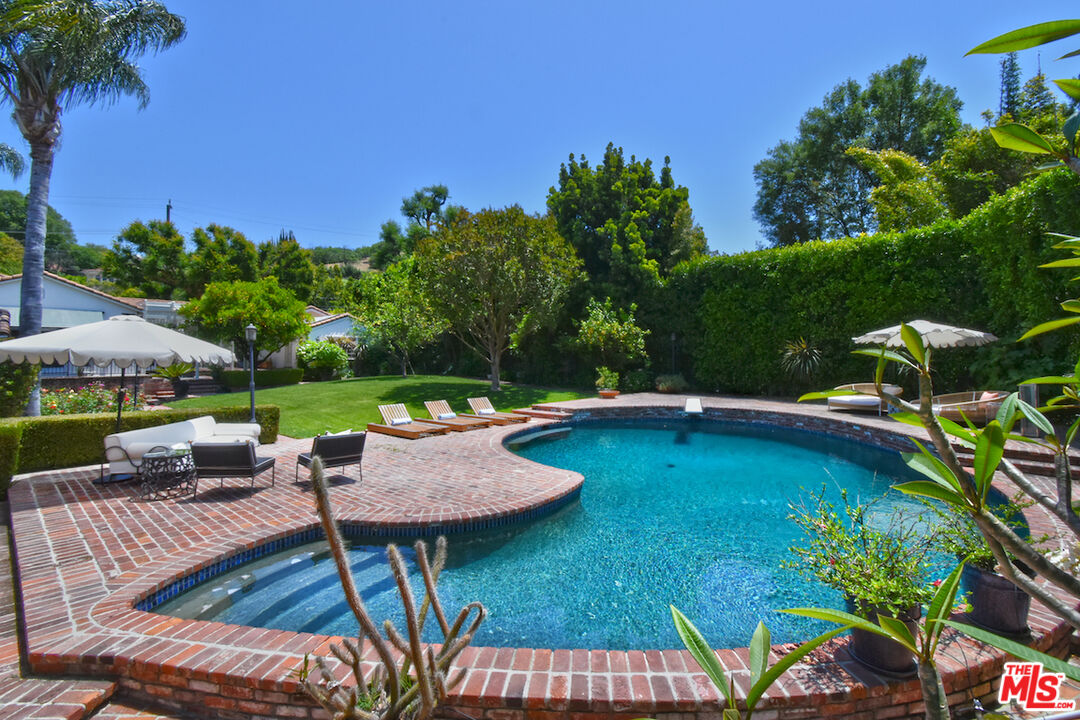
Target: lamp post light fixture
point(249, 334)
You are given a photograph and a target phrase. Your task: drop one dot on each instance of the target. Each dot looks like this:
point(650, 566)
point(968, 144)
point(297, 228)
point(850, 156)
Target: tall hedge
point(734, 313)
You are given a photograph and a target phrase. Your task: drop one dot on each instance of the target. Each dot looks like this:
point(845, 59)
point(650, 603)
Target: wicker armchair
point(228, 460)
point(978, 406)
point(335, 451)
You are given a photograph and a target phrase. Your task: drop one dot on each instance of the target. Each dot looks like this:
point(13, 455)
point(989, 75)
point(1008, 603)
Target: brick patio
point(86, 554)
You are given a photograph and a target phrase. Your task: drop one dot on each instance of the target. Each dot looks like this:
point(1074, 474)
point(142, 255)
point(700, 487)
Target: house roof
point(331, 318)
point(130, 302)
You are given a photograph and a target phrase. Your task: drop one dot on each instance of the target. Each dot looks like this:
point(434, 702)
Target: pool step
point(548, 412)
point(1034, 461)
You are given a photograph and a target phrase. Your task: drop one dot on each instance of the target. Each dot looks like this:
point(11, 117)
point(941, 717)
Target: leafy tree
point(11, 254)
point(496, 275)
point(55, 56)
point(908, 196)
point(1009, 104)
point(1036, 100)
point(974, 168)
point(226, 308)
point(810, 189)
point(322, 255)
point(425, 210)
point(60, 240)
point(910, 113)
point(221, 254)
point(331, 290)
point(289, 263)
point(613, 336)
point(629, 227)
point(148, 259)
point(84, 257)
point(397, 310)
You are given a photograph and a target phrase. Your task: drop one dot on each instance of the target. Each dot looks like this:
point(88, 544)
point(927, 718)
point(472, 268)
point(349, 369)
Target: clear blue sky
point(319, 117)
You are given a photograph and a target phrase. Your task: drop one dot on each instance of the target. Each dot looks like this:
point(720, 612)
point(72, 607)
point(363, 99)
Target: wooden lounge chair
point(867, 399)
point(441, 414)
point(978, 407)
point(398, 422)
point(482, 408)
point(335, 451)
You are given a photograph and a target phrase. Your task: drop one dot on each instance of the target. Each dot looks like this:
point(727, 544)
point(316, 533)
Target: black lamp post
point(249, 334)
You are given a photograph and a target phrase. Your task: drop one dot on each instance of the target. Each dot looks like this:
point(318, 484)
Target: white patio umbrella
point(935, 335)
point(123, 339)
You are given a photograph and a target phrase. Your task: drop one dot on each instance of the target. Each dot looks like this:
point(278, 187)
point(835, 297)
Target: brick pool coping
point(86, 554)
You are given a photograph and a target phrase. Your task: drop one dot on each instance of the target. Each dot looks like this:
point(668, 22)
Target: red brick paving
point(87, 553)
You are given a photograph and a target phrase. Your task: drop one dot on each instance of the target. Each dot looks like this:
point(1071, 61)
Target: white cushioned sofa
point(124, 450)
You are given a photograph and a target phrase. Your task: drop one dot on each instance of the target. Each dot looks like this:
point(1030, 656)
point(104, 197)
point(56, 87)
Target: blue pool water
point(694, 516)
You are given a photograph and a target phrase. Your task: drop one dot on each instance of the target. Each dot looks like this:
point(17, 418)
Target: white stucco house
point(321, 325)
point(67, 303)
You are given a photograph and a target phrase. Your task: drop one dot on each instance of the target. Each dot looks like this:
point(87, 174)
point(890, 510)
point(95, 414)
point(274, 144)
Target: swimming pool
point(693, 515)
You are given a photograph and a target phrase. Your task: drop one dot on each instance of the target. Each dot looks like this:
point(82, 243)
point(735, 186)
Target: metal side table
point(167, 473)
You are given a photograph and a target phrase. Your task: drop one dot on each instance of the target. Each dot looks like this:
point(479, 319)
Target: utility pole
point(168, 211)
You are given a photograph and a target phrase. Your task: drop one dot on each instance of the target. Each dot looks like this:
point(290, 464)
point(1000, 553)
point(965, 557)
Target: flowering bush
point(322, 358)
point(93, 398)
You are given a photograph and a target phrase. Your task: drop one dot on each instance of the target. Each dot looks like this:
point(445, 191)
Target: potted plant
point(174, 374)
point(880, 571)
point(996, 603)
point(607, 382)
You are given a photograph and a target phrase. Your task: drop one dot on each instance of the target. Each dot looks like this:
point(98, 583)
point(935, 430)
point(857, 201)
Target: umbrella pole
point(120, 399)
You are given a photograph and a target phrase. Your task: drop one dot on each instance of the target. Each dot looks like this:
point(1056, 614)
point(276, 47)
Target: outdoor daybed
point(978, 407)
point(867, 399)
point(124, 450)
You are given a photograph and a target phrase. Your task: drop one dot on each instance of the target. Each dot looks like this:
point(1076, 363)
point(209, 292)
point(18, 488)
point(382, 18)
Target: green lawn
point(313, 408)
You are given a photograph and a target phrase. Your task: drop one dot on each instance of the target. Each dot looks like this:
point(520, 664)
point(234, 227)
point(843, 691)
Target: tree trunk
point(933, 692)
point(32, 297)
point(404, 365)
point(495, 360)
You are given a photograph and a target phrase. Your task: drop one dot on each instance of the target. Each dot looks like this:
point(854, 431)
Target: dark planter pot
point(997, 604)
point(879, 653)
point(179, 388)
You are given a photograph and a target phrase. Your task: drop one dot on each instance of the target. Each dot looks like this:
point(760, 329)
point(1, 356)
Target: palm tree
point(55, 55)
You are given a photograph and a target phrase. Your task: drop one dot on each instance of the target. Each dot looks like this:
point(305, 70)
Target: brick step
point(54, 699)
point(1031, 467)
point(547, 414)
point(124, 708)
point(204, 386)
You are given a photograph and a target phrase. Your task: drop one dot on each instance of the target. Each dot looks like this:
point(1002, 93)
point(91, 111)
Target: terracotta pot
point(879, 653)
point(609, 394)
point(996, 604)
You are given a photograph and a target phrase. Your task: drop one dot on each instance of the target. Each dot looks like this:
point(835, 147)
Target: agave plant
point(800, 357)
point(409, 687)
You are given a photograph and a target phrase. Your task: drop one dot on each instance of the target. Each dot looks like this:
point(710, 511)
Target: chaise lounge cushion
point(124, 450)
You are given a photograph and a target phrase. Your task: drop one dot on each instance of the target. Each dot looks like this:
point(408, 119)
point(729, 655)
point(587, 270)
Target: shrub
point(637, 381)
point(321, 359)
point(671, 383)
point(16, 382)
point(238, 379)
point(10, 434)
point(53, 442)
point(606, 379)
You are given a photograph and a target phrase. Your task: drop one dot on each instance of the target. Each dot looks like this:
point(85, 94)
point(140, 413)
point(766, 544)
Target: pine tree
point(1010, 86)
